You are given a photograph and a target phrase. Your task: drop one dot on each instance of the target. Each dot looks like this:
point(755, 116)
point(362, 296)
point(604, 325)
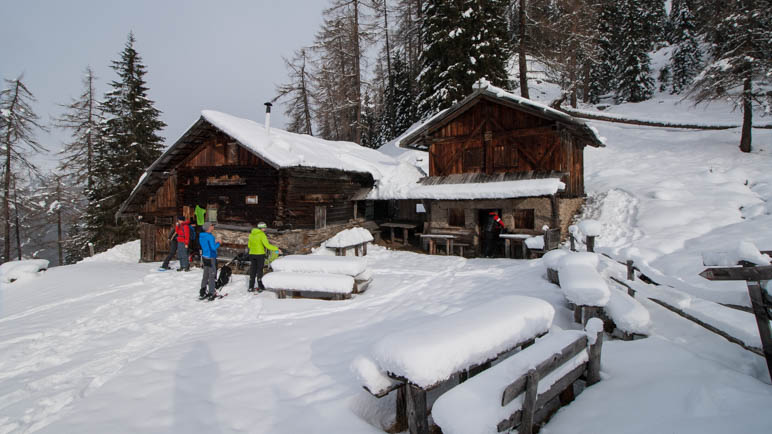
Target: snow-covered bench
point(354, 238)
point(589, 295)
point(318, 276)
point(449, 349)
point(525, 389)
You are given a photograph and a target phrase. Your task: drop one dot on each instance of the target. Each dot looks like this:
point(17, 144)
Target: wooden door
point(320, 217)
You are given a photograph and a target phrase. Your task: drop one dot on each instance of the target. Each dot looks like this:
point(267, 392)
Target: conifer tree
point(400, 108)
point(465, 40)
point(685, 58)
point(740, 67)
point(298, 90)
point(129, 144)
point(603, 72)
point(634, 79)
point(18, 123)
point(83, 119)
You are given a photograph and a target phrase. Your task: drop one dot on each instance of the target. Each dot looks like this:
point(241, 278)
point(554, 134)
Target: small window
point(251, 200)
point(523, 219)
point(456, 217)
point(211, 213)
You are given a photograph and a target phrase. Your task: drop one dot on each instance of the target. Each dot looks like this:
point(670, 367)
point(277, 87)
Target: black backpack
point(224, 277)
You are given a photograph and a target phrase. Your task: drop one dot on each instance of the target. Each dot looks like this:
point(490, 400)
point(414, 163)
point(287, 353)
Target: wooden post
point(759, 299)
point(573, 242)
point(404, 236)
point(630, 270)
point(282, 294)
point(507, 246)
point(432, 246)
point(391, 238)
point(552, 276)
point(529, 402)
point(356, 250)
point(523, 249)
point(417, 420)
point(593, 365)
point(448, 246)
point(578, 314)
point(590, 244)
point(364, 249)
point(590, 312)
point(91, 249)
point(400, 424)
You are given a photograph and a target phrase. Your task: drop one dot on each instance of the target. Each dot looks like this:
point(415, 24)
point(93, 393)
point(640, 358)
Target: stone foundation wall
point(568, 208)
point(296, 241)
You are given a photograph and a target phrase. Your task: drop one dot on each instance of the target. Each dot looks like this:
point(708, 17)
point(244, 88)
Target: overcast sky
point(200, 54)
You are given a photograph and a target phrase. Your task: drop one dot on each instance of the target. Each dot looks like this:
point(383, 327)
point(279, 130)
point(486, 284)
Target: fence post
point(593, 365)
point(529, 402)
point(417, 419)
point(91, 249)
point(630, 270)
point(759, 301)
point(590, 243)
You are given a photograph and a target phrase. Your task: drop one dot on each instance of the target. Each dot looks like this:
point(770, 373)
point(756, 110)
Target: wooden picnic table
point(404, 226)
point(433, 242)
point(515, 239)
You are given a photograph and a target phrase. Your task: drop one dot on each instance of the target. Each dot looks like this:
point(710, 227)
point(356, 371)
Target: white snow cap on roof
point(487, 190)
point(283, 149)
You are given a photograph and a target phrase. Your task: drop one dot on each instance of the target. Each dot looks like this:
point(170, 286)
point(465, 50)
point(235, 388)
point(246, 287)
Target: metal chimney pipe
point(268, 117)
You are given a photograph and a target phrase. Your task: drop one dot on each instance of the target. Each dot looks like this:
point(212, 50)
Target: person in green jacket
point(258, 243)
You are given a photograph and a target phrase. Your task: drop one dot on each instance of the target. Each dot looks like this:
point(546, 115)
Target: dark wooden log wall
point(164, 201)
point(493, 138)
point(301, 190)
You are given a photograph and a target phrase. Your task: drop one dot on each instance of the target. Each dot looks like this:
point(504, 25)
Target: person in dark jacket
point(172, 249)
point(194, 250)
point(492, 230)
point(183, 242)
point(209, 246)
point(258, 245)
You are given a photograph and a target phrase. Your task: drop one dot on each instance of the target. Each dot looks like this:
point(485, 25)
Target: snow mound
point(590, 227)
point(432, 352)
point(580, 281)
point(24, 269)
point(127, 252)
point(535, 243)
point(370, 376)
point(745, 251)
point(627, 313)
point(552, 258)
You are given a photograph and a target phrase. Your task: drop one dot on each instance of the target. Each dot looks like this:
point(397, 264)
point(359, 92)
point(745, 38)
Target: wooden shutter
point(320, 217)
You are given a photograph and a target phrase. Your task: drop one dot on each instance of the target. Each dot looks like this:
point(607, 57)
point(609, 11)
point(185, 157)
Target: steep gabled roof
point(484, 90)
point(280, 149)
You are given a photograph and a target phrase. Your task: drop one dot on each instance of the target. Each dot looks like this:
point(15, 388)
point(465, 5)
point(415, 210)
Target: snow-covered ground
point(111, 345)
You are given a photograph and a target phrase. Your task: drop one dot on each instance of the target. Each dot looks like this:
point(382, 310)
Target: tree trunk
point(745, 138)
point(521, 54)
point(16, 217)
point(386, 31)
point(357, 75)
point(7, 184)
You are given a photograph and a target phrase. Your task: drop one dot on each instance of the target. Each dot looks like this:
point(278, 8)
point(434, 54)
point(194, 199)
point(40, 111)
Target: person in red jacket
point(491, 232)
point(183, 242)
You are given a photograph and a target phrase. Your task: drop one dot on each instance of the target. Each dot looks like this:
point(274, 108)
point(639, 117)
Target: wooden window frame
point(456, 216)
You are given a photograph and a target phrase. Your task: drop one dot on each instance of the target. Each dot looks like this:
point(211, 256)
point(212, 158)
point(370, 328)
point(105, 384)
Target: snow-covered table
point(309, 285)
point(356, 238)
point(346, 265)
point(450, 348)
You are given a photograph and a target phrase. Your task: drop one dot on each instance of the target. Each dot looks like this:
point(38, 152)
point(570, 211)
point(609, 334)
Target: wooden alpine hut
point(495, 151)
point(243, 172)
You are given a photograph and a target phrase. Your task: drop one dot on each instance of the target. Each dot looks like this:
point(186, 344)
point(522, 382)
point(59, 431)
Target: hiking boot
point(164, 267)
point(180, 269)
point(186, 269)
point(202, 292)
point(250, 289)
point(211, 297)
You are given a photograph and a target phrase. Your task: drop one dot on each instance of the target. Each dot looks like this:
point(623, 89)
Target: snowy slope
point(110, 345)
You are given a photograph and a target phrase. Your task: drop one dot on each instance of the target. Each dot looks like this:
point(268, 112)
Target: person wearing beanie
point(209, 246)
point(183, 242)
point(258, 243)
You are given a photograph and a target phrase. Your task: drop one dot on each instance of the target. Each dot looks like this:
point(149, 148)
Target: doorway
point(490, 243)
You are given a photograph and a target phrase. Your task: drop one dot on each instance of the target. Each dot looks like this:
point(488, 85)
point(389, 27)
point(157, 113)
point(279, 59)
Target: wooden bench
point(560, 360)
point(410, 380)
point(461, 247)
point(432, 238)
point(551, 242)
point(349, 266)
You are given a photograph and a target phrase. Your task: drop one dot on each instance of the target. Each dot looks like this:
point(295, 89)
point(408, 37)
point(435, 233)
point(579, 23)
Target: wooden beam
point(738, 273)
point(761, 311)
point(417, 418)
point(529, 401)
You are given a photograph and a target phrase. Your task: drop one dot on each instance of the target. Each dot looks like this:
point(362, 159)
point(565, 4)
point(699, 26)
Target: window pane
point(456, 217)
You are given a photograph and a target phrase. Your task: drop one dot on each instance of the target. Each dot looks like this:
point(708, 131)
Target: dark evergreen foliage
point(129, 144)
point(634, 78)
point(686, 58)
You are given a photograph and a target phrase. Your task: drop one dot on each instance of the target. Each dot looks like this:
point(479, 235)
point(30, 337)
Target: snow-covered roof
point(483, 88)
point(487, 190)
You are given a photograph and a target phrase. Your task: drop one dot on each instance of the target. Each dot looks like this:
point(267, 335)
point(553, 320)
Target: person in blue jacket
point(209, 246)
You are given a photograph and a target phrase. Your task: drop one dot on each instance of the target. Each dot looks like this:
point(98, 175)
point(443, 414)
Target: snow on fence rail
point(523, 389)
point(608, 117)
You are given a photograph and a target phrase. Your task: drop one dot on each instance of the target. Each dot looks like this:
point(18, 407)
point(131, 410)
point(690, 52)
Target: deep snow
point(110, 345)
